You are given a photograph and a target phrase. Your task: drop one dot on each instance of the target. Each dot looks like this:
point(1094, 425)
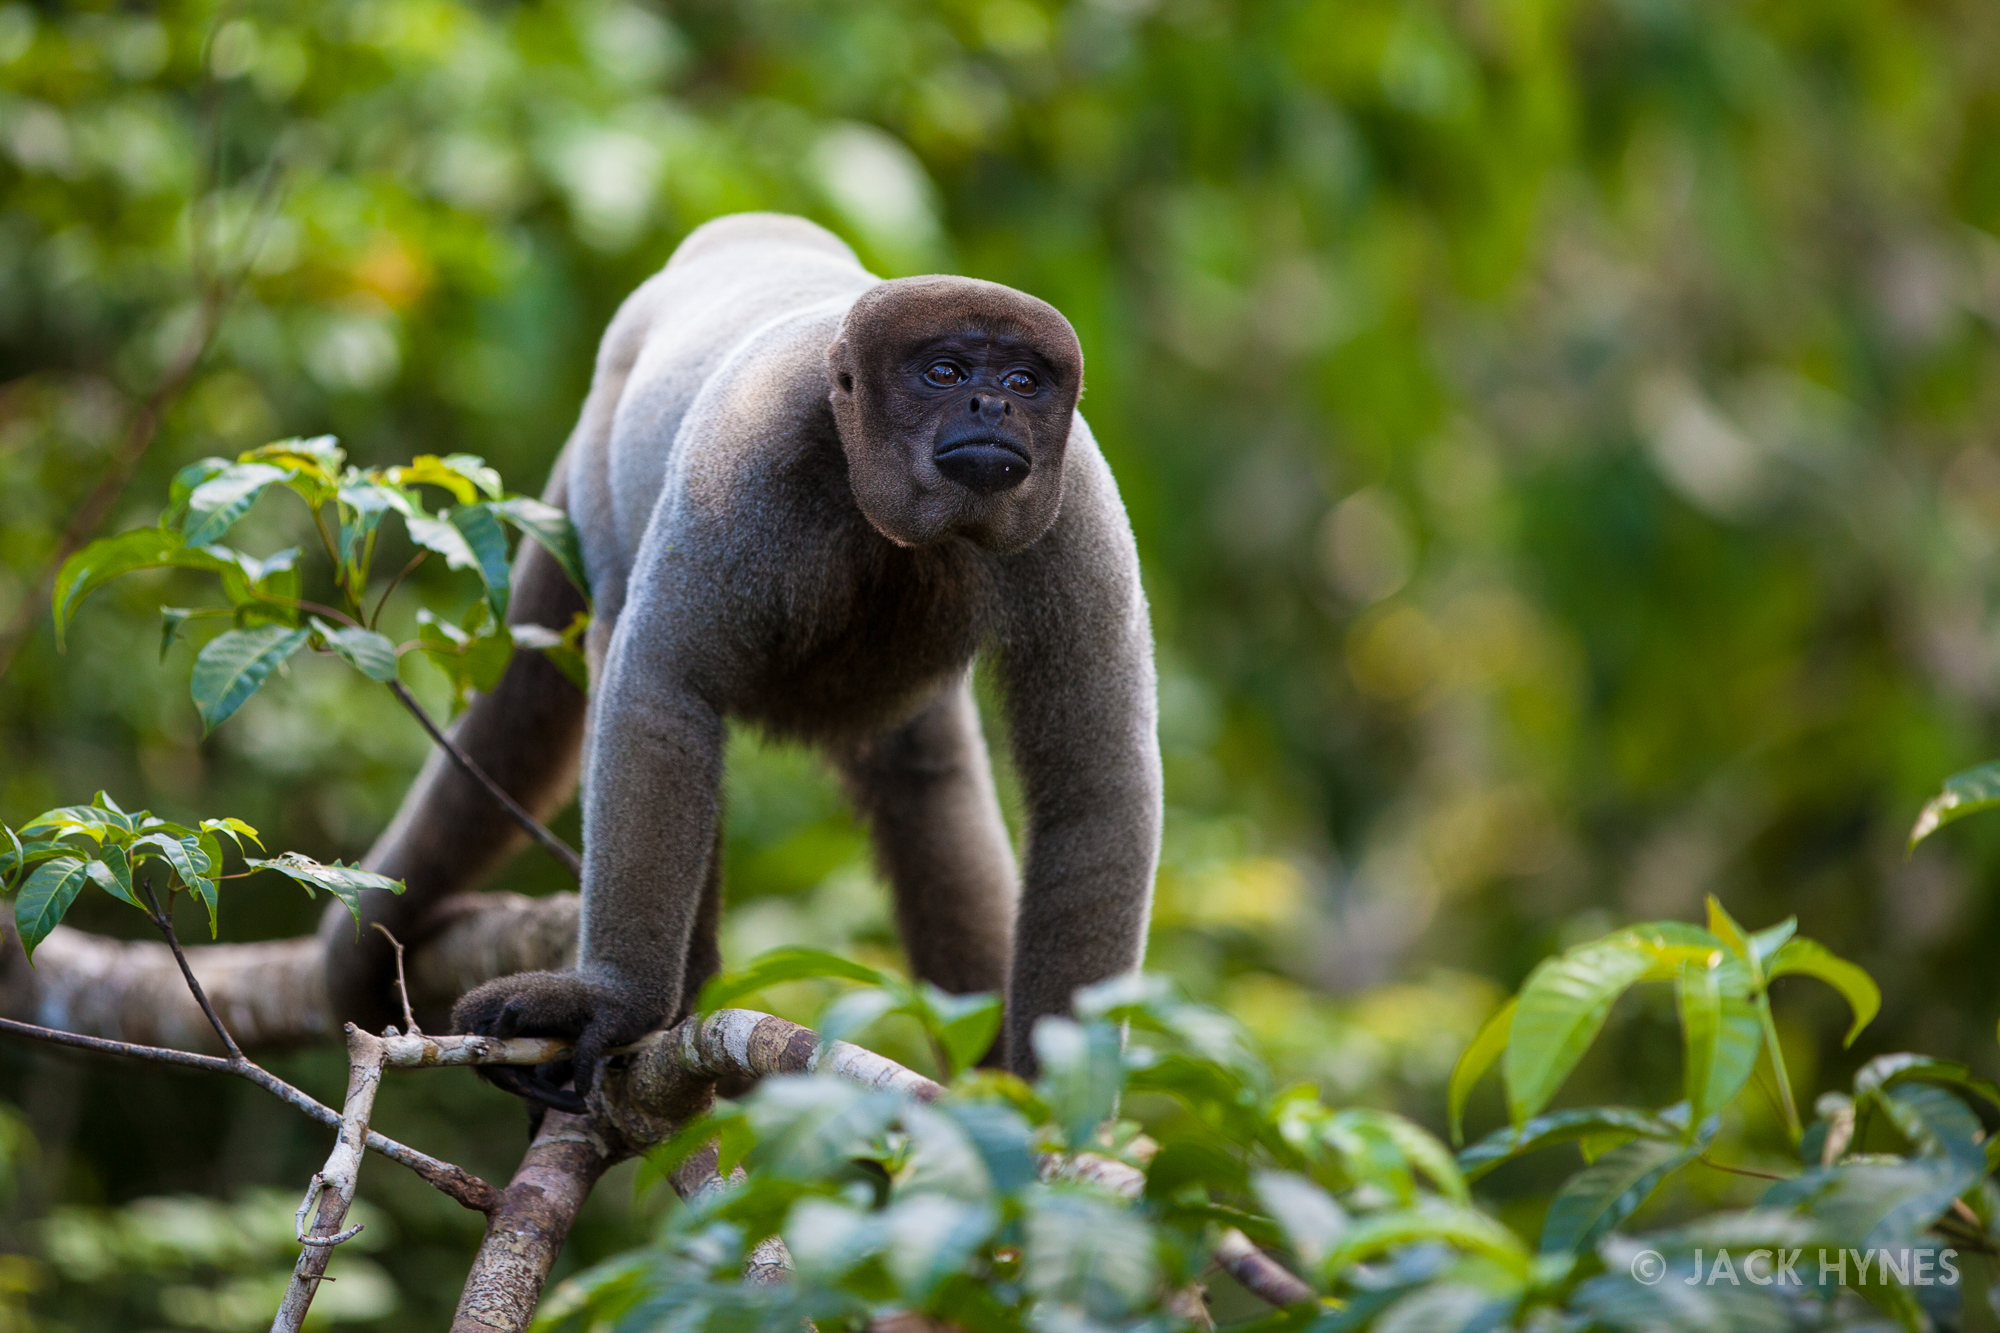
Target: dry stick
point(454, 1181)
point(335, 1183)
point(534, 828)
point(402, 983)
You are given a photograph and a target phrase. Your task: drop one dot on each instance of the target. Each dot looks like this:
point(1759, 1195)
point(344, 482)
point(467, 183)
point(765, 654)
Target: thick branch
point(526, 1232)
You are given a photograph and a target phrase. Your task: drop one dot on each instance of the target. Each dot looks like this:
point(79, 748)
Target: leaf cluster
point(143, 860)
point(347, 505)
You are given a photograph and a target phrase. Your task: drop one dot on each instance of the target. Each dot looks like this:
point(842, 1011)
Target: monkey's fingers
point(533, 1085)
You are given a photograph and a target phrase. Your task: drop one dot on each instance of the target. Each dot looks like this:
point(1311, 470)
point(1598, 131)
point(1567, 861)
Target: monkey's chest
point(861, 653)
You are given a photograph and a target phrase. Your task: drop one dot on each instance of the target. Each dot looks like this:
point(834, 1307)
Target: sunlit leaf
point(372, 654)
point(777, 966)
point(233, 666)
point(1476, 1060)
point(1802, 957)
point(320, 456)
point(1964, 794)
point(1466, 1228)
point(561, 649)
point(344, 882)
point(1721, 1033)
point(465, 476)
point(110, 871)
point(46, 897)
point(1562, 1007)
point(551, 527)
point(190, 863)
point(214, 506)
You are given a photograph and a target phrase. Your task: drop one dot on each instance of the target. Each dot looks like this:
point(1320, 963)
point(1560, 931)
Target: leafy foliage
point(981, 1210)
point(211, 496)
point(55, 854)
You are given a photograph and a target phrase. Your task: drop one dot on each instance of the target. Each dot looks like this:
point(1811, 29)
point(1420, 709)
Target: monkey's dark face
point(954, 398)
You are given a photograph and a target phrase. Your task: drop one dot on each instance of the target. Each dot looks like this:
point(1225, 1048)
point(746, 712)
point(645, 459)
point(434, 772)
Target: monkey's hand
point(594, 1017)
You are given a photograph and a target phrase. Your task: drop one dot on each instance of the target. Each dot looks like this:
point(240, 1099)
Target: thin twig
point(395, 583)
point(454, 1181)
point(534, 828)
point(166, 925)
point(1710, 1162)
point(402, 984)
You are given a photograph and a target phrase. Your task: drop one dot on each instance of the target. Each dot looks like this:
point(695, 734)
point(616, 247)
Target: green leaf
point(487, 541)
point(561, 649)
point(191, 863)
point(100, 562)
point(1411, 1144)
point(1562, 1007)
point(1310, 1218)
point(1082, 1074)
point(964, 1025)
point(319, 457)
point(1964, 794)
point(1466, 1228)
point(344, 882)
point(439, 535)
point(233, 666)
point(552, 528)
point(110, 871)
point(46, 896)
point(1725, 929)
point(214, 507)
point(96, 820)
point(1720, 1031)
point(1610, 1189)
point(13, 860)
point(465, 476)
point(363, 500)
point(1080, 1249)
point(1767, 942)
point(1802, 957)
point(172, 618)
point(235, 828)
point(183, 485)
point(1561, 1127)
point(1477, 1059)
point(372, 654)
point(782, 965)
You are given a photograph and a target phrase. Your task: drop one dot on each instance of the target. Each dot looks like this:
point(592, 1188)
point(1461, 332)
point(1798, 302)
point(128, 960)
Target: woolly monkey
point(806, 498)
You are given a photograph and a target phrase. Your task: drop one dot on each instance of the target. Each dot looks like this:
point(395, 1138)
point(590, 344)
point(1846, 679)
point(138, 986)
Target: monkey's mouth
point(987, 466)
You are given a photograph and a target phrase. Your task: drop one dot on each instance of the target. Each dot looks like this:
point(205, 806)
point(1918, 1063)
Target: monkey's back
point(728, 280)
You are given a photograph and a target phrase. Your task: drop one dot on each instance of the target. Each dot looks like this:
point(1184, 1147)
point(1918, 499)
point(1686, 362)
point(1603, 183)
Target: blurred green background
point(1563, 441)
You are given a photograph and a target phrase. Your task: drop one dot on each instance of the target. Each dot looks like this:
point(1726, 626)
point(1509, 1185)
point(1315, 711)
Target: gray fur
point(766, 545)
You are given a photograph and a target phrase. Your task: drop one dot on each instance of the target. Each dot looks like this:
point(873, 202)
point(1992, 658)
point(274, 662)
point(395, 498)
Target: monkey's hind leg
point(449, 832)
point(926, 790)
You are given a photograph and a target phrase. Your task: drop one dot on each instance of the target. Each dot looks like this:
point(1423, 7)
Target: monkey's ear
point(840, 367)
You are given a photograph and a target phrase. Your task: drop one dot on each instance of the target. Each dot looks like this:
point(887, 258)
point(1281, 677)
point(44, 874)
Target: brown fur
point(787, 522)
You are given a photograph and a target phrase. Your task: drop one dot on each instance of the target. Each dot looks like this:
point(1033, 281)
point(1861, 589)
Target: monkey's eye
point(944, 374)
point(1021, 382)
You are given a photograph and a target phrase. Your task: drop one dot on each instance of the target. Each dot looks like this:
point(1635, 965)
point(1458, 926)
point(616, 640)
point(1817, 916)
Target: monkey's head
point(953, 398)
